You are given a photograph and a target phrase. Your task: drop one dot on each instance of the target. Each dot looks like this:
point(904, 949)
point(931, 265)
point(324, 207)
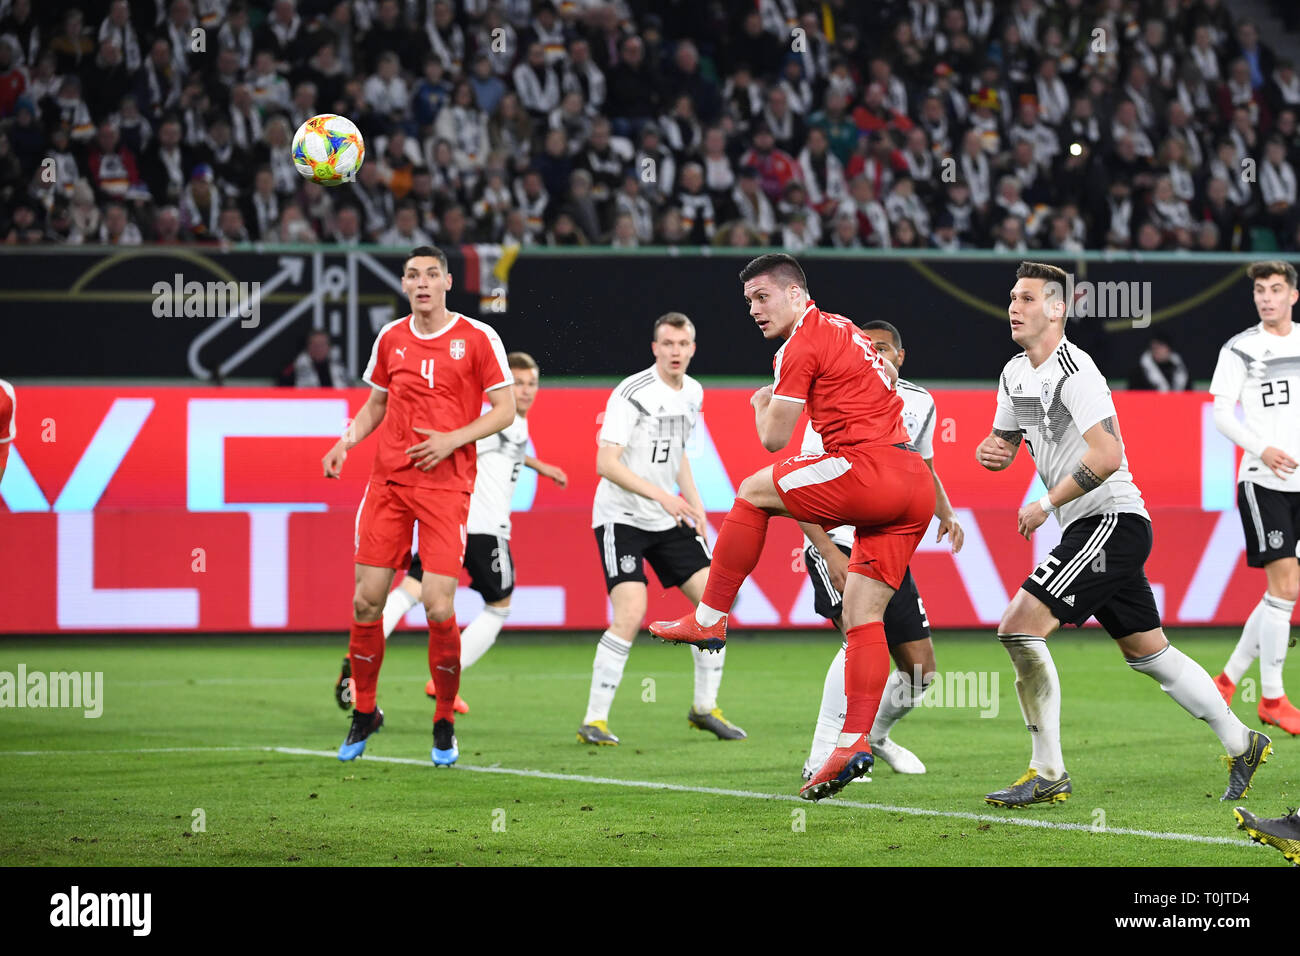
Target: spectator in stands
point(316, 366)
point(1003, 87)
point(117, 229)
point(1159, 369)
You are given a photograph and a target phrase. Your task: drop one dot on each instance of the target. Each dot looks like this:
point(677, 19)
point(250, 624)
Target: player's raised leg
point(705, 714)
point(735, 555)
point(366, 655)
point(628, 601)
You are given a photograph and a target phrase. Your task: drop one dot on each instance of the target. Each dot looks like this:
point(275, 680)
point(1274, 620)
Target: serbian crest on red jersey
point(457, 348)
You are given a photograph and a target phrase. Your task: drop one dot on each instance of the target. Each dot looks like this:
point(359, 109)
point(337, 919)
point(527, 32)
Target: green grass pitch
point(189, 728)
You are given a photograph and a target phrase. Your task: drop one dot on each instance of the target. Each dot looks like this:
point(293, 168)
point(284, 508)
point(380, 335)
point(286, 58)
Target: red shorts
point(885, 492)
point(384, 519)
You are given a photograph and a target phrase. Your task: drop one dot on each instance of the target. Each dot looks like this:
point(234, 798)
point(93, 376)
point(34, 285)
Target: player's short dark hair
point(781, 266)
point(422, 251)
point(882, 325)
point(1262, 270)
point(521, 360)
point(676, 320)
point(1045, 271)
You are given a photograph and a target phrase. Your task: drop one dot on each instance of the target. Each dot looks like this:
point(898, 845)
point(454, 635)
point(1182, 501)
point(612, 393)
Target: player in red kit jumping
point(869, 476)
point(428, 373)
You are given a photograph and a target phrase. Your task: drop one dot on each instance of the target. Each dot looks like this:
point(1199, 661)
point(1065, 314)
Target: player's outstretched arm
point(439, 445)
point(998, 451)
point(1103, 458)
point(943, 510)
point(553, 472)
point(366, 421)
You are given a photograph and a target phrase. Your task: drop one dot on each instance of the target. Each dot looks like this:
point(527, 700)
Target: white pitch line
point(677, 788)
point(755, 795)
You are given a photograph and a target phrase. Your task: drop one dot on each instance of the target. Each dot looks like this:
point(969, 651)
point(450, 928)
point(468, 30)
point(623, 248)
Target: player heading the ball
point(869, 476)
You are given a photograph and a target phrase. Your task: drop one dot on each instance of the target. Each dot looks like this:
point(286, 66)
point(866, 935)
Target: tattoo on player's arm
point(1108, 426)
point(1086, 478)
point(1012, 438)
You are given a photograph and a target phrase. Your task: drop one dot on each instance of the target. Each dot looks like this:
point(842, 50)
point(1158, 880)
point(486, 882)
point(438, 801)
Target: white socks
point(474, 640)
point(1187, 682)
point(1247, 648)
point(900, 696)
point(830, 719)
point(481, 633)
point(708, 678)
point(606, 673)
point(1274, 635)
point(1039, 690)
point(395, 608)
point(706, 616)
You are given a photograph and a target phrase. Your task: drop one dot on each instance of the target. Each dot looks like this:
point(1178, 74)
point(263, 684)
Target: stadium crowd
point(1006, 124)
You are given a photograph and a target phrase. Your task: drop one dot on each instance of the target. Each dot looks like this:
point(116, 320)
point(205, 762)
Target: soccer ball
point(328, 149)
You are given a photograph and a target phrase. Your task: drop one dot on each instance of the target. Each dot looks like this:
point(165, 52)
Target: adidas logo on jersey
point(1069, 599)
point(1017, 390)
point(1268, 353)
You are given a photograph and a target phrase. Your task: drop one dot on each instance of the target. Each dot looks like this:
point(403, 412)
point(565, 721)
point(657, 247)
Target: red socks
point(866, 668)
point(444, 665)
point(735, 554)
point(366, 649)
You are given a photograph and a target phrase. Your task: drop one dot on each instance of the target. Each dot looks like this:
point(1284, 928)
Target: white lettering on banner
point(751, 606)
point(530, 606)
point(78, 603)
point(19, 491)
point(211, 422)
point(804, 611)
point(975, 566)
point(83, 606)
point(1218, 463)
point(1213, 571)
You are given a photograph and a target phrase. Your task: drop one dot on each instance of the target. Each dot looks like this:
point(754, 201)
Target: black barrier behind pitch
point(184, 312)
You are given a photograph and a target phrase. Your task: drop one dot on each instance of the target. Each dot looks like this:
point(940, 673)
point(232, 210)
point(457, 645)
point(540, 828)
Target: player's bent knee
point(440, 611)
point(759, 490)
point(365, 610)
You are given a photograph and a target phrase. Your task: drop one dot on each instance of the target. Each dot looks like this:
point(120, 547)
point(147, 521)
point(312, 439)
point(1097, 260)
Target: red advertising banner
point(180, 509)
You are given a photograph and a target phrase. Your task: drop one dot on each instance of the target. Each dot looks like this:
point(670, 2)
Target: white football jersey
point(1262, 372)
point(653, 422)
point(1052, 406)
point(500, 459)
point(918, 419)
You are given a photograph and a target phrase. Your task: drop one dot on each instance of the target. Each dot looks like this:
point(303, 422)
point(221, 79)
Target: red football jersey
point(831, 365)
point(433, 381)
point(7, 427)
